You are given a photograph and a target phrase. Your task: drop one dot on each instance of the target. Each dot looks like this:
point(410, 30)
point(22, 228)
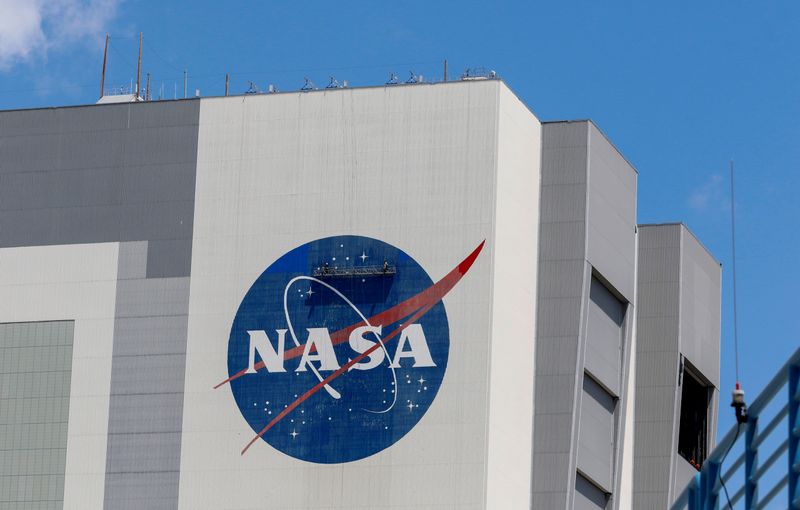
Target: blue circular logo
point(338, 349)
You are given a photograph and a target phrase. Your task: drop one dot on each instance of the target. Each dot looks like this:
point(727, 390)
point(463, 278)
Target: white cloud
point(31, 28)
point(710, 193)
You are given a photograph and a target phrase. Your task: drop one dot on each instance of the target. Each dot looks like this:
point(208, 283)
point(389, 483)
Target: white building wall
point(414, 167)
point(72, 282)
point(513, 301)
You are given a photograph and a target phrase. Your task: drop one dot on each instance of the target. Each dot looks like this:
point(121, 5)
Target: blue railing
point(758, 483)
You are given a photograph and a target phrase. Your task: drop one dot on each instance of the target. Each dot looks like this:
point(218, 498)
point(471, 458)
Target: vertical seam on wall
point(535, 310)
point(111, 370)
point(580, 355)
point(189, 296)
point(577, 395)
point(673, 453)
point(492, 235)
point(194, 191)
point(625, 356)
point(625, 397)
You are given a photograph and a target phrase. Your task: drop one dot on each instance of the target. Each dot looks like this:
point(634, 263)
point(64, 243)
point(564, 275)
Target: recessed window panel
point(596, 438)
point(604, 336)
point(588, 496)
point(693, 433)
point(35, 371)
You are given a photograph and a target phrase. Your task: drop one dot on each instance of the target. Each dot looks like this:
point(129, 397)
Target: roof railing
point(759, 483)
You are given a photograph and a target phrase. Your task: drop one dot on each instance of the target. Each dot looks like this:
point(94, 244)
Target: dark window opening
point(693, 434)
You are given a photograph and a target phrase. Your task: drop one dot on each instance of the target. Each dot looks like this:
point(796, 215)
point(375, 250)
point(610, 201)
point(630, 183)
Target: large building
point(407, 297)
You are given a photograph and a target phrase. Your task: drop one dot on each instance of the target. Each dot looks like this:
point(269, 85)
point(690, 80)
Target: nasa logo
point(339, 348)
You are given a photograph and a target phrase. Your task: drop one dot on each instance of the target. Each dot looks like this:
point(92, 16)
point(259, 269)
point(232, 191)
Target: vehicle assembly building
point(398, 297)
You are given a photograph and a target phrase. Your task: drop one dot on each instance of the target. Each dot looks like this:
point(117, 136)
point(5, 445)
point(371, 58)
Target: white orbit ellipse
point(332, 391)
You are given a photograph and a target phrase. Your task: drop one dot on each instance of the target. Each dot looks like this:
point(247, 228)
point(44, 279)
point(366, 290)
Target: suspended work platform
point(354, 271)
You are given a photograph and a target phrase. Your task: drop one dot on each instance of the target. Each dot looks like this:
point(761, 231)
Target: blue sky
point(680, 87)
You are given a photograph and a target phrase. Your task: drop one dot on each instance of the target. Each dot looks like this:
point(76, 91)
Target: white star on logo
point(363, 256)
point(410, 406)
point(309, 291)
point(421, 380)
point(294, 434)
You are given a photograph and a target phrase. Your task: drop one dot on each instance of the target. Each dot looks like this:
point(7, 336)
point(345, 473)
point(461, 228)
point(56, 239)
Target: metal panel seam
point(630, 348)
point(583, 317)
point(490, 324)
point(675, 398)
point(577, 397)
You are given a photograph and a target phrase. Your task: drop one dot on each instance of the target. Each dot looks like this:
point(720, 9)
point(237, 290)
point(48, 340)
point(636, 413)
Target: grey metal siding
point(700, 316)
point(678, 315)
point(700, 307)
point(611, 241)
point(147, 378)
point(587, 226)
point(656, 363)
point(92, 174)
point(560, 290)
point(122, 172)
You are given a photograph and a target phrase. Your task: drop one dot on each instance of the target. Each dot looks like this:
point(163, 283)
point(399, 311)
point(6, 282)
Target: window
point(693, 432)
point(588, 496)
point(35, 375)
point(604, 336)
point(596, 436)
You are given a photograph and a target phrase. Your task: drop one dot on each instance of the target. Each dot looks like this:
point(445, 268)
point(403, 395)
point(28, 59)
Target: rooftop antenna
point(413, 78)
point(737, 395)
point(445, 69)
point(253, 89)
point(147, 93)
point(393, 79)
point(185, 81)
point(139, 68)
point(227, 82)
point(308, 85)
point(478, 73)
point(334, 83)
point(103, 73)
point(737, 400)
